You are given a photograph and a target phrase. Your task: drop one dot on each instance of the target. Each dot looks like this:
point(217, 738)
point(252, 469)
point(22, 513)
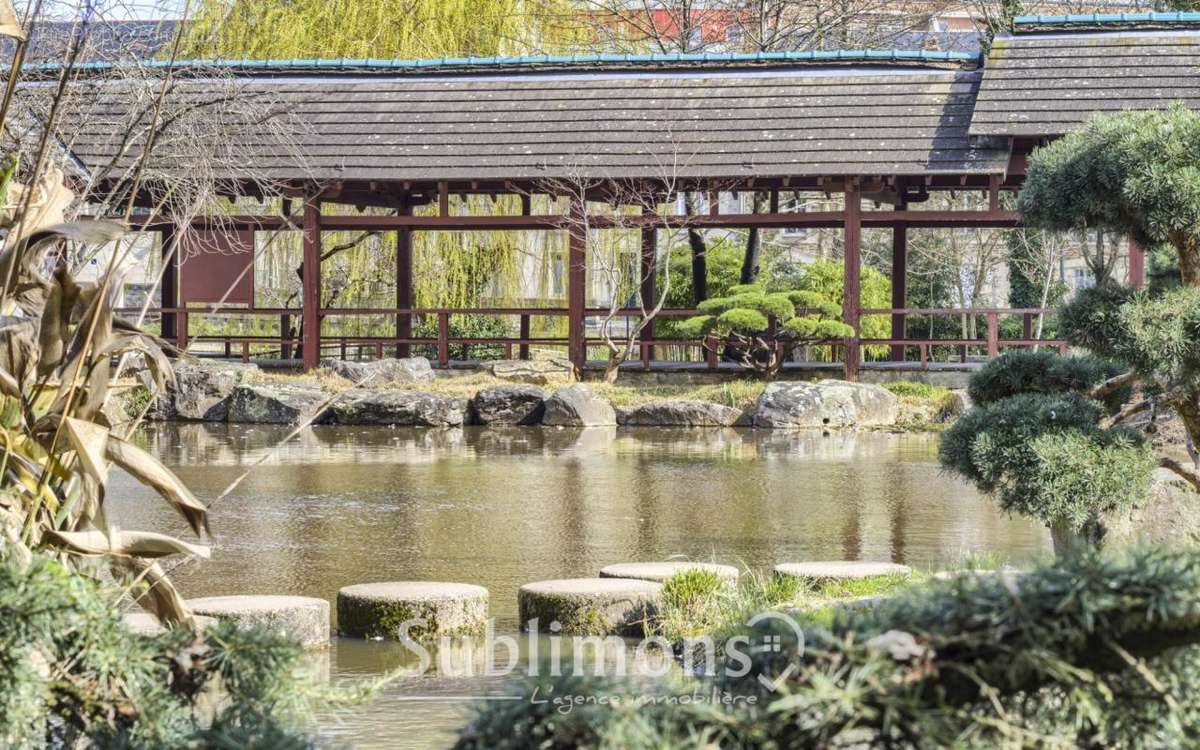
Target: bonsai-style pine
point(1136, 174)
point(1040, 442)
point(760, 330)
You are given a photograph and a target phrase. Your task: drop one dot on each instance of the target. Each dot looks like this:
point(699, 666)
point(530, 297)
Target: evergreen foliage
point(1133, 173)
point(1043, 371)
point(1036, 441)
point(761, 329)
point(1090, 652)
point(71, 674)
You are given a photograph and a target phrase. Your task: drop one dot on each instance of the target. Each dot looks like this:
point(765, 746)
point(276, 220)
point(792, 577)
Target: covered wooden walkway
point(387, 144)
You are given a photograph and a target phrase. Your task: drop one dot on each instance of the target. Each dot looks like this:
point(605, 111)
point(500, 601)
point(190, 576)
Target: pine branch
point(1191, 476)
point(1114, 384)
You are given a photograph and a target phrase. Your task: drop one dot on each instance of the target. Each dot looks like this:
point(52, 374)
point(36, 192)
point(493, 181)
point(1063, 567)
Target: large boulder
point(509, 404)
point(397, 407)
point(274, 404)
point(383, 371)
point(578, 406)
point(552, 371)
point(202, 389)
point(828, 403)
point(679, 413)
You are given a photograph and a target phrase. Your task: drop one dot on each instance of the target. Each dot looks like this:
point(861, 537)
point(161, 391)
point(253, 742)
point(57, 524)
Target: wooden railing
point(519, 345)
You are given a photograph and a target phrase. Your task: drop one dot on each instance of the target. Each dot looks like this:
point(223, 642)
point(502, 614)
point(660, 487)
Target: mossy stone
point(590, 606)
point(385, 610)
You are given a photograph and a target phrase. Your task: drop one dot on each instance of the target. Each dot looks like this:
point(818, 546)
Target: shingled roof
point(715, 116)
point(1056, 72)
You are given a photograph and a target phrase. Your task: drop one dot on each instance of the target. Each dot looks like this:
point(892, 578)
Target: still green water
point(344, 505)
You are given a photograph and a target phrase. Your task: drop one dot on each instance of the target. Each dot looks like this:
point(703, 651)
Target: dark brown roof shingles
point(795, 122)
point(1041, 85)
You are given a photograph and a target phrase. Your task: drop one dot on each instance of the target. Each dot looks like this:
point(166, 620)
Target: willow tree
point(285, 29)
point(456, 268)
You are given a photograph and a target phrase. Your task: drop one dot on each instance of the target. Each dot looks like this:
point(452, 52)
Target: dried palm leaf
point(149, 471)
point(152, 590)
point(130, 543)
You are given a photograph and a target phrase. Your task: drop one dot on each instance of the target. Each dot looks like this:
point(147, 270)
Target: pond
point(499, 508)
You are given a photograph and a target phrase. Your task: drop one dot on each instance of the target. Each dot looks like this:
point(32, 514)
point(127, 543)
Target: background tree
point(356, 29)
point(1034, 259)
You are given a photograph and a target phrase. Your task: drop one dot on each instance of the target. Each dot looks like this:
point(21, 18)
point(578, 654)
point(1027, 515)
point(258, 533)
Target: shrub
point(1097, 652)
point(1043, 371)
point(760, 330)
point(1008, 427)
point(1046, 456)
point(72, 675)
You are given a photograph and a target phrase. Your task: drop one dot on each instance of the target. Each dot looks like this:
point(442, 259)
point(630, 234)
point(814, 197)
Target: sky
point(116, 9)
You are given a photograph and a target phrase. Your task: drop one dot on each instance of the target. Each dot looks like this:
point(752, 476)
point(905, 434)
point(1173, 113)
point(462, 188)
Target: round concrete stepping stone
point(381, 610)
point(589, 606)
point(300, 617)
point(144, 623)
point(822, 571)
point(661, 571)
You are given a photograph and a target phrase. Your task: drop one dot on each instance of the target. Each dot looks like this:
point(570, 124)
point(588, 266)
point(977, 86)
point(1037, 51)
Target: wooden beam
point(899, 284)
point(404, 286)
point(576, 288)
point(813, 219)
point(443, 200)
point(851, 269)
point(169, 287)
point(311, 284)
point(649, 293)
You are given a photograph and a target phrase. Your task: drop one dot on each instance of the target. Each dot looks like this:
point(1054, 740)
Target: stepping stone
point(589, 606)
point(381, 610)
point(820, 572)
point(144, 623)
point(661, 571)
point(299, 617)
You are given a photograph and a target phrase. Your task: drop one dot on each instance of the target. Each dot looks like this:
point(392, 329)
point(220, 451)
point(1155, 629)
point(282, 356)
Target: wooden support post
point(169, 288)
point(576, 288)
point(285, 336)
point(524, 347)
point(311, 285)
point(993, 335)
point(899, 286)
point(181, 334)
point(404, 288)
point(1137, 266)
point(1027, 326)
point(851, 269)
point(443, 340)
point(443, 199)
point(649, 293)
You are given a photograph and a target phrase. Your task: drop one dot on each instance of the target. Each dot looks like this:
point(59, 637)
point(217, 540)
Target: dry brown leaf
point(10, 25)
point(154, 593)
point(129, 543)
point(89, 440)
point(149, 471)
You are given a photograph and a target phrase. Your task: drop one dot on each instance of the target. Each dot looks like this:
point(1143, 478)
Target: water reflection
point(343, 505)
